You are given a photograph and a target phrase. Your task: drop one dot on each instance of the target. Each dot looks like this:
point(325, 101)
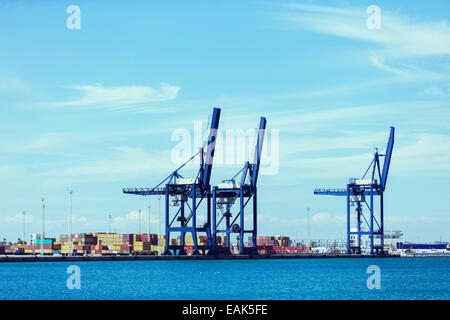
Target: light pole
point(159, 220)
point(149, 207)
point(309, 240)
point(109, 216)
point(23, 228)
point(69, 224)
point(43, 226)
point(139, 221)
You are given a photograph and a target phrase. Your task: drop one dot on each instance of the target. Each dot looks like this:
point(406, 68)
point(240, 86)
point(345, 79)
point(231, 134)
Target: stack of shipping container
point(265, 244)
point(277, 244)
point(92, 243)
point(129, 243)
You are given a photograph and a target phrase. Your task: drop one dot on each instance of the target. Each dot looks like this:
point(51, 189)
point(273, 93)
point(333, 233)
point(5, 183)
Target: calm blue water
point(412, 278)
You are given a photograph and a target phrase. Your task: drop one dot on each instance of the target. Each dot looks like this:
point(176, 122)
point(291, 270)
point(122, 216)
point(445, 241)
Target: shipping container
point(45, 241)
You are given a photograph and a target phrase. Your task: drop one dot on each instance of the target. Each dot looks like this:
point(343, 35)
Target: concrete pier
point(53, 258)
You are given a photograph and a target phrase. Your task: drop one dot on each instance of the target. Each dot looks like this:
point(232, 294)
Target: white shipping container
point(365, 181)
point(187, 181)
point(229, 185)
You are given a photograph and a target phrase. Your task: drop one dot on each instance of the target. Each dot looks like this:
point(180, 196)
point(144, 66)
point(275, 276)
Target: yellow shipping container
point(39, 251)
point(141, 246)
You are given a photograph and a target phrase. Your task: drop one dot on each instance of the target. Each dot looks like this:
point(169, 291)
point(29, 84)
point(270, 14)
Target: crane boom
point(210, 148)
point(387, 158)
point(257, 151)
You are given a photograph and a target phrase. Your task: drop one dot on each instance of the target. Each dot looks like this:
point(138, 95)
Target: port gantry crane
point(356, 192)
point(225, 195)
point(185, 190)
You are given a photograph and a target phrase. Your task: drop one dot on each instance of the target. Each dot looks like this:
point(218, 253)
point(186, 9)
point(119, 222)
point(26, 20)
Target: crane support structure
point(187, 194)
point(361, 193)
point(229, 193)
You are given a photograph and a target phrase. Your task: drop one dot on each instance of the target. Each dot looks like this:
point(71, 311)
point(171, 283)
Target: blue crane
point(225, 195)
point(356, 192)
point(184, 191)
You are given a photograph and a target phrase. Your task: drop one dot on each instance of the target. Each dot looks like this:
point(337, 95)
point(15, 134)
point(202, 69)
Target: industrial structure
point(225, 195)
point(357, 192)
point(187, 194)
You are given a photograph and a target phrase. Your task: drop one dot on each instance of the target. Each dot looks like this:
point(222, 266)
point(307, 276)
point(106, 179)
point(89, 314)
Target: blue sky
point(94, 109)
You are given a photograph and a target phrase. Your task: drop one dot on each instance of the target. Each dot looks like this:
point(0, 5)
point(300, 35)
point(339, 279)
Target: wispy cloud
point(399, 35)
point(132, 219)
point(417, 219)
point(398, 38)
point(407, 73)
point(6, 171)
point(422, 145)
point(59, 142)
point(17, 219)
point(427, 155)
point(13, 84)
point(45, 141)
point(121, 97)
point(434, 91)
point(325, 217)
point(123, 163)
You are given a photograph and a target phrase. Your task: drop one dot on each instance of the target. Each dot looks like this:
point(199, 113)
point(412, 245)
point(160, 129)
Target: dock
point(53, 258)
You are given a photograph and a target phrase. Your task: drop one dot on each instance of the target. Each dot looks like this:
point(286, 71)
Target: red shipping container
point(38, 246)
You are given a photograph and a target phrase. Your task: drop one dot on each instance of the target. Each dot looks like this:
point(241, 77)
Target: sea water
point(399, 278)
